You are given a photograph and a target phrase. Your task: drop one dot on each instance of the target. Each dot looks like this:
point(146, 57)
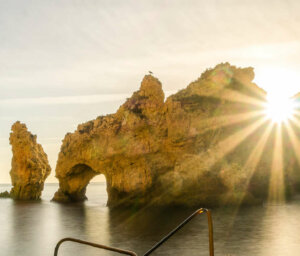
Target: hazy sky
point(65, 62)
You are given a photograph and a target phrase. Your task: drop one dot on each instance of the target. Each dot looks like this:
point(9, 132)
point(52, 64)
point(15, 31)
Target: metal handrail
point(121, 251)
point(163, 240)
point(210, 231)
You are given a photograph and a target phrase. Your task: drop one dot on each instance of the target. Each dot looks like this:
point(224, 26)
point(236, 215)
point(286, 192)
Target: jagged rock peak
point(222, 80)
point(229, 71)
point(147, 101)
point(151, 88)
point(30, 166)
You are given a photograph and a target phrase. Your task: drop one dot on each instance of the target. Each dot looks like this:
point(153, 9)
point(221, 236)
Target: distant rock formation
point(4, 194)
point(30, 166)
point(198, 147)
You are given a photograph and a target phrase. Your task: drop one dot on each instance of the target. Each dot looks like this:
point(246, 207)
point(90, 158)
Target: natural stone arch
point(176, 151)
point(126, 180)
point(73, 186)
point(126, 167)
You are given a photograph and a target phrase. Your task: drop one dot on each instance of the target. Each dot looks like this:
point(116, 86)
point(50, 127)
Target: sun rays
point(273, 116)
point(276, 186)
point(279, 109)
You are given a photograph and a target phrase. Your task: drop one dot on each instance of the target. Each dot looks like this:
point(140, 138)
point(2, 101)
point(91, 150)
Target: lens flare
point(279, 109)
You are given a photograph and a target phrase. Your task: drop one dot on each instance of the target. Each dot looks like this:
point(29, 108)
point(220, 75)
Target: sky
point(66, 62)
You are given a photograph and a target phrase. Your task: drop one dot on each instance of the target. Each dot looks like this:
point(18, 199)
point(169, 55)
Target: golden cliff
point(196, 148)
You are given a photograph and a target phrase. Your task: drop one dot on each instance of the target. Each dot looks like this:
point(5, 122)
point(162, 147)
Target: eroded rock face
point(30, 166)
point(199, 147)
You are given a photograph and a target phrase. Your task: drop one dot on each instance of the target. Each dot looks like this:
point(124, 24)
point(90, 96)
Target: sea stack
point(30, 166)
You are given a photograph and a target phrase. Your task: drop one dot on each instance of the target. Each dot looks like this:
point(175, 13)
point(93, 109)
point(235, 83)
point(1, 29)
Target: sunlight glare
point(276, 186)
point(279, 109)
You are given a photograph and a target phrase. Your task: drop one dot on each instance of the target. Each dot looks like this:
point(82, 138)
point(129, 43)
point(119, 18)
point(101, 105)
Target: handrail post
point(210, 231)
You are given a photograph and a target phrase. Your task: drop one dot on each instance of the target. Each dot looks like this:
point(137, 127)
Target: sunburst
point(279, 109)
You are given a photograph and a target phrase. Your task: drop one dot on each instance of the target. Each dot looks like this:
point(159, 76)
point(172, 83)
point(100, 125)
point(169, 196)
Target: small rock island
point(30, 166)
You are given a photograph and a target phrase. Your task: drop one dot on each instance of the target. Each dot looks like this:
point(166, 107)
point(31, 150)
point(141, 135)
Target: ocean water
point(32, 229)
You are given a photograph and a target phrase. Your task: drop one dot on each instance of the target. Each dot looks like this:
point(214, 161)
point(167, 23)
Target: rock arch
point(114, 145)
point(125, 180)
point(174, 151)
point(73, 186)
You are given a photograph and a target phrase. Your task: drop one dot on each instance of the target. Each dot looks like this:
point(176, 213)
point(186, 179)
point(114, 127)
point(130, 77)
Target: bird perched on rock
point(150, 72)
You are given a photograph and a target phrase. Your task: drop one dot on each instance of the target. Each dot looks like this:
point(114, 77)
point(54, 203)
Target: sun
point(279, 109)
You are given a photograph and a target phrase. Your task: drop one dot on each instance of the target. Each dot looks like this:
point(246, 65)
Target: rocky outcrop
point(199, 147)
point(30, 166)
point(4, 194)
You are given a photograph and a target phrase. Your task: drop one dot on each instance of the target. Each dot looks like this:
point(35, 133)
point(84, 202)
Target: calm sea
point(32, 229)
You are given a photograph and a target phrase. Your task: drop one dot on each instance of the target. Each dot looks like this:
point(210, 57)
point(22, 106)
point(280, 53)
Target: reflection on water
point(34, 228)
